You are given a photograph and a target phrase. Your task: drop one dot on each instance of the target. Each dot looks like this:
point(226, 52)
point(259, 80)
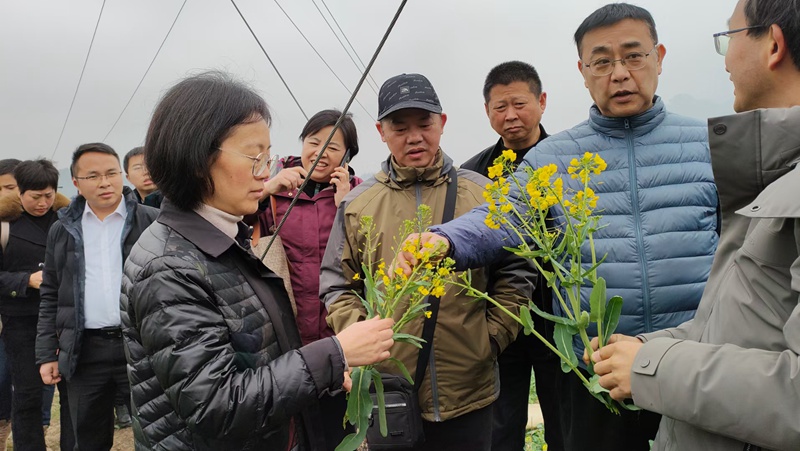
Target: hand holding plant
point(392, 294)
point(556, 242)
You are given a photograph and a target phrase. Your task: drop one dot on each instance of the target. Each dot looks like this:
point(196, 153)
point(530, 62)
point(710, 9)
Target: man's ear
point(661, 51)
point(379, 126)
point(543, 101)
point(778, 50)
point(583, 74)
point(75, 183)
point(444, 120)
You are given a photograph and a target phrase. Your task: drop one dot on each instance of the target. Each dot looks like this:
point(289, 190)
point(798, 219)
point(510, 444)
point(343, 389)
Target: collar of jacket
point(640, 124)
point(200, 232)
point(750, 154)
point(74, 211)
point(11, 207)
point(401, 177)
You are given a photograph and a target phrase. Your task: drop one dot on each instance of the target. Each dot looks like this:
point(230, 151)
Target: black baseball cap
point(407, 91)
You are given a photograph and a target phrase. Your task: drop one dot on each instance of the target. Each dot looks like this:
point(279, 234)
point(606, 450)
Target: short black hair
point(7, 166)
point(36, 175)
point(611, 14)
point(132, 153)
point(509, 72)
point(328, 118)
point(783, 13)
point(87, 148)
point(189, 124)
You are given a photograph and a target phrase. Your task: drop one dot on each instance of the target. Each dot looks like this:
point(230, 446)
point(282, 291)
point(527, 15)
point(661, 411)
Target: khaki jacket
point(730, 378)
point(461, 375)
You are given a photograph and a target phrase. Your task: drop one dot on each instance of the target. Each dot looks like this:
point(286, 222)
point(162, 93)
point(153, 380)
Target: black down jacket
point(214, 354)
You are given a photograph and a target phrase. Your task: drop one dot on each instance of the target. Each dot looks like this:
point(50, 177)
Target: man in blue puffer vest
point(657, 197)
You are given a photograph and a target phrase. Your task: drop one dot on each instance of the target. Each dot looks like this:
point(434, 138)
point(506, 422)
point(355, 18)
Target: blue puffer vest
point(659, 206)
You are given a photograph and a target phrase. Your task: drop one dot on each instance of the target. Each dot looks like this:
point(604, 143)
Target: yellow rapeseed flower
point(438, 292)
point(423, 291)
point(357, 277)
point(495, 171)
point(509, 155)
point(428, 314)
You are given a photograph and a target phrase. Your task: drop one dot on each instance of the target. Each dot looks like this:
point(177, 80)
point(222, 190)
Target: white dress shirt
point(102, 248)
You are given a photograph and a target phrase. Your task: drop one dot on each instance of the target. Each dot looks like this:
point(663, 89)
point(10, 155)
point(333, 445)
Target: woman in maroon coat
point(308, 225)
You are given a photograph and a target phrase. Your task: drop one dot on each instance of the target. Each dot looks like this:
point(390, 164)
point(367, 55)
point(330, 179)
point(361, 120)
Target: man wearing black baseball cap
point(459, 386)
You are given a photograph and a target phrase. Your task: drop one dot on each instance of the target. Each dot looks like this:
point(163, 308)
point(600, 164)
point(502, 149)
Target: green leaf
point(409, 339)
point(526, 320)
point(376, 379)
point(611, 318)
point(353, 402)
point(597, 301)
point(352, 441)
point(562, 335)
point(402, 369)
point(554, 318)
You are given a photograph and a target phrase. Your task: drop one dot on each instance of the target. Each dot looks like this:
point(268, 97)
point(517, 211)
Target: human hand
point(49, 373)
point(35, 280)
point(340, 179)
point(347, 385)
point(285, 180)
point(614, 363)
point(406, 260)
point(367, 342)
point(613, 339)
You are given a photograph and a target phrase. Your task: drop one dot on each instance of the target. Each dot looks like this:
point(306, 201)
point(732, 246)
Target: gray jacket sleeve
point(712, 386)
point(680, 332)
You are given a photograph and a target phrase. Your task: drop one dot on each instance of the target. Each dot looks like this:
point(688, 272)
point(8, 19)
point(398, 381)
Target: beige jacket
point(461, 375)
point(730, 378)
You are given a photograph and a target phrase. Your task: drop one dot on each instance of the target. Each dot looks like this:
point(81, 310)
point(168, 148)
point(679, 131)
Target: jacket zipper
point(637, 218)
point(431, 360)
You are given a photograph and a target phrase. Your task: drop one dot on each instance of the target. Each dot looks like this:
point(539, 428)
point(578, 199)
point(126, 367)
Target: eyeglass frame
point(621, 61)
point(98, 178)
point(267, 164)
point(727, 34)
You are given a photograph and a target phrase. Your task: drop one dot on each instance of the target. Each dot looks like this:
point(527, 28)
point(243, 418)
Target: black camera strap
point(430, 324)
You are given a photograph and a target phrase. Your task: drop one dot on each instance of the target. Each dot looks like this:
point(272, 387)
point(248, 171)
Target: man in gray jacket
point(729, 380)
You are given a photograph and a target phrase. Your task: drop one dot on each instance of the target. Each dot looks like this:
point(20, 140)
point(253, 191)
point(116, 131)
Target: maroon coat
point(305, 236)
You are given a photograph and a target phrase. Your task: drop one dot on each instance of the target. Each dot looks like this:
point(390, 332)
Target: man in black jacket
point(79, 336)
point(515, 103)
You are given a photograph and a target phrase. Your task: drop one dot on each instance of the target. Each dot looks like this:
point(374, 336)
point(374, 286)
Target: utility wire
point(77, 88)
point(270, 61)
point(145, 72)
point(345, 38)
point(336, 126)
point(360, 68)
point(321, 58)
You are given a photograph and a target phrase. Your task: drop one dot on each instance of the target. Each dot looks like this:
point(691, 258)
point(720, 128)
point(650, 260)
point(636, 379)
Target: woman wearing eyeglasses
point(216, 360)
point(305, 232)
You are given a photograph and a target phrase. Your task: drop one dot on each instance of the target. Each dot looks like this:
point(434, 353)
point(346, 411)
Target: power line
point(270, 60)
point(146, 71)
point(77, 88)
point(321, 58)
point(345, 38)
point(360, 68)
point(337, 124)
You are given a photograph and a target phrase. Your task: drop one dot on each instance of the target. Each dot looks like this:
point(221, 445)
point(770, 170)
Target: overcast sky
point(43, 45)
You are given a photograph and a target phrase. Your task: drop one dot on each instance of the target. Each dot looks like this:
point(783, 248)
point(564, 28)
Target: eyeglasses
point(632, 61)
point(139, 168)
point(261, 162)
point(722, 38)
point(98, 178)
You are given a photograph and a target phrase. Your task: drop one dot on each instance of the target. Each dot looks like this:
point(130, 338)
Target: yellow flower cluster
point(542, 192)
point(587, 164)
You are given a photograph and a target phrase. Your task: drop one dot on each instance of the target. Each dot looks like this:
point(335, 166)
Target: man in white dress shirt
point(79, 336)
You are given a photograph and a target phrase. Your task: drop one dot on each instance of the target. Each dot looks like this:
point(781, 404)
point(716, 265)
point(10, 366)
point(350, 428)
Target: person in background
point(514, 103)
point(28, 217)
point(8, 188)
point(307, 227)
point(79, 338)
point(215, 357)
point(137, 174)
